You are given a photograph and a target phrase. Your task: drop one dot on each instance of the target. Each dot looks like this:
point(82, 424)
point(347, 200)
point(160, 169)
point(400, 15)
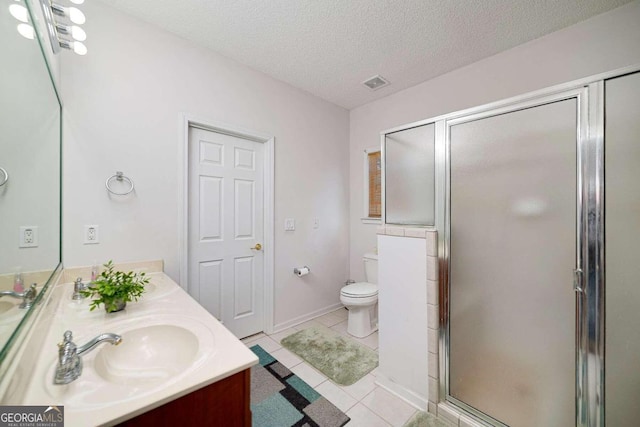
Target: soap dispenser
point(94, 271)
point(18, 284)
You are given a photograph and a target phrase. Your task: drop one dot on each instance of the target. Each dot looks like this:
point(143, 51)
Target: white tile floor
point(364, 402)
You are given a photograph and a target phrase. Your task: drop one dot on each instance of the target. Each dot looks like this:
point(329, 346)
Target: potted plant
point(115, 288)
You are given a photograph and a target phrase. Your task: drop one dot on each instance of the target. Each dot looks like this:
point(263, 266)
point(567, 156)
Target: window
point(372, 186)
point(375, 199)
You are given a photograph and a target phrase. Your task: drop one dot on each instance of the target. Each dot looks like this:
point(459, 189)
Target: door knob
point(257, 247)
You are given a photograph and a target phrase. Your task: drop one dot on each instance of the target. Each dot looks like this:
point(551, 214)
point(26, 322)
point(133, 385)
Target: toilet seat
point(360, 290)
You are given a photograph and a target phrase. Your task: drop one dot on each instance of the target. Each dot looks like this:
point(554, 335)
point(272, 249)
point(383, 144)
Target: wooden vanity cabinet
point(223, 403)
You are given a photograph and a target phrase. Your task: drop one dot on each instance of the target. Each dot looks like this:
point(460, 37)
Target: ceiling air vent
point(375, 82)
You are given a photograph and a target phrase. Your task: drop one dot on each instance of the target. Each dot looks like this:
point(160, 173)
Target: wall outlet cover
point(28, 236)
point(91, 235)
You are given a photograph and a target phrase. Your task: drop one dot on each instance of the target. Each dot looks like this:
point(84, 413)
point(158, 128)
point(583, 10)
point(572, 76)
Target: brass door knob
point(257, 247)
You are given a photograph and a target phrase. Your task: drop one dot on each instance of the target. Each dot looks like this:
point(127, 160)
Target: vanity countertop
point(121, 382)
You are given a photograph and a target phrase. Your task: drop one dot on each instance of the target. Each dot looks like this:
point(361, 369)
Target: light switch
point(289, 224)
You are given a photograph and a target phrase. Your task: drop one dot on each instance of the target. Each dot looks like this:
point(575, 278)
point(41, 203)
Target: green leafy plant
point(113, 288)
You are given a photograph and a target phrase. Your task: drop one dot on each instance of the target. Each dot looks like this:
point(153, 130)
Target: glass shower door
point(512, 251)
point(409, 165)
point(622, 227)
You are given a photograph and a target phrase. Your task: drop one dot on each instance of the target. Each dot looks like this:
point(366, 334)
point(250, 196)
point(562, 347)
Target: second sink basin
point(147, 355)
point(10, 314)
point(5, 306)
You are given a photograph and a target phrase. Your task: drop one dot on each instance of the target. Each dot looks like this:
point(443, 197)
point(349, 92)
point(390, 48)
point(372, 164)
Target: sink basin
point(150, 288)
point(156, 353)
point(149, 354)
point(159, 286)
point(5, 306)
point(9, 311)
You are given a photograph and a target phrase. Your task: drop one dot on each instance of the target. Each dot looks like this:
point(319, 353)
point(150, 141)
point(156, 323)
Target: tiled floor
point(364, 402)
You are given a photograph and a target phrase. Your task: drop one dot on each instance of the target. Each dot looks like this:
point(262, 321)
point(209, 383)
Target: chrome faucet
point(78, 287)
point(28, 296)
point(69, 356)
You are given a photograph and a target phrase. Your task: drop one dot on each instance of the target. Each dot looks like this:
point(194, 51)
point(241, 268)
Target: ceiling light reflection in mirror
point(21, 13)
point(63, 26)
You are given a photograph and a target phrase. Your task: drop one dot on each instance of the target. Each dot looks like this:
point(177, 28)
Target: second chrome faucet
point(78, 287)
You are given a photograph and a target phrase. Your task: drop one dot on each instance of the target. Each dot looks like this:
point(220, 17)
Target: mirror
point(30, 114)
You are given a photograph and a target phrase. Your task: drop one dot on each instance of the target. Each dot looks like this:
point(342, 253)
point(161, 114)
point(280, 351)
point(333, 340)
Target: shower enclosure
point(513, 219)
point(622, 240)
point(529, 192)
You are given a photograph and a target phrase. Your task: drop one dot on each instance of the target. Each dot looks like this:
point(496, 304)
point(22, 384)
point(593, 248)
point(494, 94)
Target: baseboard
point(304, 318)
point(413, 399)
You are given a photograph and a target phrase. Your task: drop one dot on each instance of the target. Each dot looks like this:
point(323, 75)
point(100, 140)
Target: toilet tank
point(371, 268)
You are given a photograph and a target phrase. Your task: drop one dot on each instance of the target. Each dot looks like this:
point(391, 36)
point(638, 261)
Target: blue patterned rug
point(281, 399)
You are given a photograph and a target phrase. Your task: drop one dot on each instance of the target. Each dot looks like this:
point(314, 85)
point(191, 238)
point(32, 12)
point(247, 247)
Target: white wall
point(123, 103)
point(603, 43)
point(403, 349)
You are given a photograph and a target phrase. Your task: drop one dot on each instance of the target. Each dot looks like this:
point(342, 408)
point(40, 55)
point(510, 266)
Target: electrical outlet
point(91, 235)
point(29, 236)
point(316, 222)
point(289, 224)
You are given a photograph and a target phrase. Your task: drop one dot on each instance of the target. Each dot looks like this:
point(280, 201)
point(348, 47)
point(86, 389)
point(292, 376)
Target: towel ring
point(5, 178)
point(120, 177)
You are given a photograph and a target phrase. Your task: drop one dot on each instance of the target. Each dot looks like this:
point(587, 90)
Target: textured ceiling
point(329, 47)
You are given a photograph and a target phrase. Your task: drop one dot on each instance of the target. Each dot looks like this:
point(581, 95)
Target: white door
point(226, 194)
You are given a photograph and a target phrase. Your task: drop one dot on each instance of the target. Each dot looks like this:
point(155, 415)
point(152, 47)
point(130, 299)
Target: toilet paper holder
point(301, 271)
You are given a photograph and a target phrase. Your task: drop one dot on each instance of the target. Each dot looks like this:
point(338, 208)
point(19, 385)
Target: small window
point(372, 184)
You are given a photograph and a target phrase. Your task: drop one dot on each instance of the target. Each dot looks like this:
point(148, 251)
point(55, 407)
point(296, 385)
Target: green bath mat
point(343, 360)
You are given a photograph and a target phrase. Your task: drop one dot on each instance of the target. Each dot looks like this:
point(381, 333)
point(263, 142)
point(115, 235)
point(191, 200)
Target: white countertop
point(94, 400)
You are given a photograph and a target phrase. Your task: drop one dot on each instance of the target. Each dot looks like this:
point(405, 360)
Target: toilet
point(361, 298)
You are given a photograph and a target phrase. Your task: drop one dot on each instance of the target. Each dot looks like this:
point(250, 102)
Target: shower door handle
point(577, 280)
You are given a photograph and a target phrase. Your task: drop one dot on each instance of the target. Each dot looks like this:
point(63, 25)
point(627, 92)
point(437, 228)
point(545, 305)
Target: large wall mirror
point(30, 113)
